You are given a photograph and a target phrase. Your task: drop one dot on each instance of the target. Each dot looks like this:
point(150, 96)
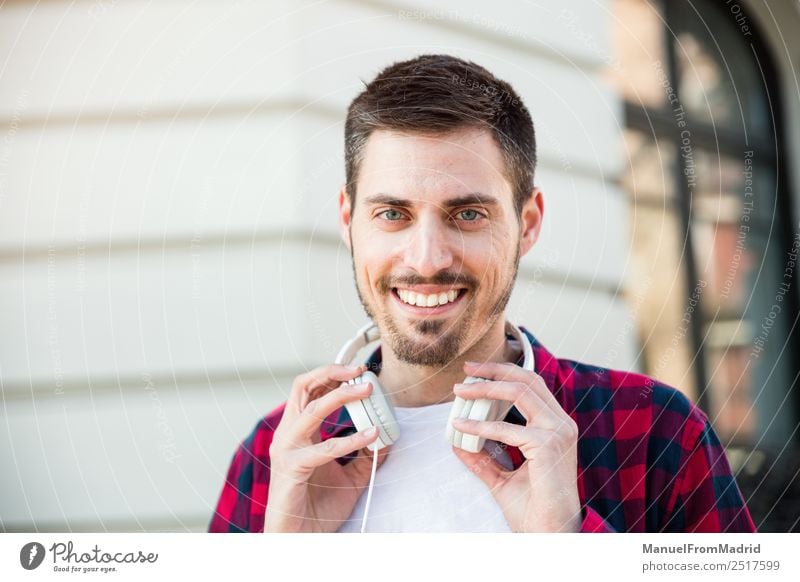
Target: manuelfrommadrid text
point(693, 549)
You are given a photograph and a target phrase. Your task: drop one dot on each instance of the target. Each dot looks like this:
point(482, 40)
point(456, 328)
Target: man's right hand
point(308, 490)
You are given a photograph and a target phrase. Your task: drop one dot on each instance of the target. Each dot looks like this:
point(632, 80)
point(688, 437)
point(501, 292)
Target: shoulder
point(636, 404)
point(242, 500)
point(611, 403)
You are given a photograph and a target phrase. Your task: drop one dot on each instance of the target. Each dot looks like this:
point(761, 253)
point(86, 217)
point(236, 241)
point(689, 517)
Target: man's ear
point(345, 215)
point(531, 221)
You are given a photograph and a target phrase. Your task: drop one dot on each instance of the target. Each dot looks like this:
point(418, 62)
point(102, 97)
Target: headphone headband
point(370, 333)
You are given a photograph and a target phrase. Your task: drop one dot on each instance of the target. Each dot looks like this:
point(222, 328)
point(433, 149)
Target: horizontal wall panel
point(571, 30)
point(155, 454)
point(81, 56)
point(317, 55)
point(182, 312)
point(576, 113)
point(585, 232)
point(78, 57)
point(580, 324)
point(183, 178)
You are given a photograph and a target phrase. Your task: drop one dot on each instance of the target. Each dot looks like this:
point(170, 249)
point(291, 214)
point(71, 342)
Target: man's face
point(435, 240)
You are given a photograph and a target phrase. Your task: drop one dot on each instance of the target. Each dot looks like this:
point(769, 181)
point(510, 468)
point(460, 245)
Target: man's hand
point(542, 494)
point(309, 491)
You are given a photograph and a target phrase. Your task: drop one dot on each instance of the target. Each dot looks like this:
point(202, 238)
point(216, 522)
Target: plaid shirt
point(648, 459)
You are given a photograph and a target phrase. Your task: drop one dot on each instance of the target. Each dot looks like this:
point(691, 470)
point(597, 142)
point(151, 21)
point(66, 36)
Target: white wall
point(168, 249)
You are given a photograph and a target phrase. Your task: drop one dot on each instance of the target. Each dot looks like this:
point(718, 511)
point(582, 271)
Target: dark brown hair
point(436, 94)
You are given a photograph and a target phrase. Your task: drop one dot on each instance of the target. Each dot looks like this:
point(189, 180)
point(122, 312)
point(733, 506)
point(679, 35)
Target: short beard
point(447, 346)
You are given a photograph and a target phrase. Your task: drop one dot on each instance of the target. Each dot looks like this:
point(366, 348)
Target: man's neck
point(411, 386)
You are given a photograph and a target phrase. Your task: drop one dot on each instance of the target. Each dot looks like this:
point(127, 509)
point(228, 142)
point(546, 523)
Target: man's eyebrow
point(388, 200)
point(465, 200)
point(472, 198)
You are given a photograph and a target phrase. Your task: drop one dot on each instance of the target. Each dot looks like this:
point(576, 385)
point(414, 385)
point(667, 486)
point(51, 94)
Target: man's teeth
point(422, 300)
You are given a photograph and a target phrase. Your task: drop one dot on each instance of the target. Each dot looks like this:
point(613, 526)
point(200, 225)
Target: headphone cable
point(369, 491)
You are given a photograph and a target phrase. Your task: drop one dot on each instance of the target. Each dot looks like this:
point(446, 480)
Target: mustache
point(386, 283)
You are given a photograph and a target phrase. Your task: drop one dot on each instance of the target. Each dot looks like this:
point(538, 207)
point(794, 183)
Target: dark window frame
point(660, 123)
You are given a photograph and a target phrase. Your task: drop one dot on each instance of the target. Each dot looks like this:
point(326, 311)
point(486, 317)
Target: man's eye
point(392, 215)
point(469, 215)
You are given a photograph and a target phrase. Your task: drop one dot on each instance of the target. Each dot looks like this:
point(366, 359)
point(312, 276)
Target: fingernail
point(370, 432)
point(459, 387)
point(469, 363)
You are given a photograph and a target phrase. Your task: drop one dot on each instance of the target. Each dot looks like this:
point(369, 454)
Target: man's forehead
point(462, 142)
point(422, 165)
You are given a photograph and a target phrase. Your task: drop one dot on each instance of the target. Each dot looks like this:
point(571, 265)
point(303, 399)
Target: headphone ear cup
point(462, 408)
point(455, 412)
point(374, 410)
point(481, 409)
point(357, 410)
point(384, 411)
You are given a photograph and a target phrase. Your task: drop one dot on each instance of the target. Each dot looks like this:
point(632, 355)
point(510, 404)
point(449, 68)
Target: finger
point(482, 465)
point(316, 411)
point(313, 456)
point(527, 438)
point(503, 371)
point(504, 432)
point(307, 387)
point(532, 407)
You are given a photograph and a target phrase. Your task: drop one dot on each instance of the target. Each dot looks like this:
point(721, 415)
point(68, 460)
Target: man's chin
point(425, 357)
point(425, 332)
point(430, 328)
point(430, 342)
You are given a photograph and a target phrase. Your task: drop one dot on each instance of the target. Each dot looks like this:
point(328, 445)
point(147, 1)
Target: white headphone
point(376, 409)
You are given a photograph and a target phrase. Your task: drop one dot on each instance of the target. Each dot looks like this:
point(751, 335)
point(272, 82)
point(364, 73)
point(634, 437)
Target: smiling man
point(437, 210)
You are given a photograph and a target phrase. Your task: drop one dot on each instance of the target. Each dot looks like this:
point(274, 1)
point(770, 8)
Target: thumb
point(482, 465)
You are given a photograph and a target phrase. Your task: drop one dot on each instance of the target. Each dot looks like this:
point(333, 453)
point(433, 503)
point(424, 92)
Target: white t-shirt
point(423, 487)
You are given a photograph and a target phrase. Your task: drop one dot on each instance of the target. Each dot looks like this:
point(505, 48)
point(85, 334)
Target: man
point(438, 208)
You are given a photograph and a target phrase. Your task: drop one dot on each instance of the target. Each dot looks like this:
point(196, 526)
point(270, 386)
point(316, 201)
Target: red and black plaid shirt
point(648, 459)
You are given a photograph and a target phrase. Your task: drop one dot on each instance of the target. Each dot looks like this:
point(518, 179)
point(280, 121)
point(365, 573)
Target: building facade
point(169, 251)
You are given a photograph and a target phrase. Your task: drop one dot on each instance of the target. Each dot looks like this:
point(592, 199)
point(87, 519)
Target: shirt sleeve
point(706, 497)
point(243, 500)
point(228, 516)
point(594, 523)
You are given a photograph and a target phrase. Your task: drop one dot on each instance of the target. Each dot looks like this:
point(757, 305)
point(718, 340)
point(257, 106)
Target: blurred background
point(169, 255)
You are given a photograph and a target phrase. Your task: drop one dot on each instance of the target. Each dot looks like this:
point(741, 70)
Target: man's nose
point(428, 250)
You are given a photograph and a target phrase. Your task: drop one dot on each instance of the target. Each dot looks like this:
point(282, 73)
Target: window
point(711, 227)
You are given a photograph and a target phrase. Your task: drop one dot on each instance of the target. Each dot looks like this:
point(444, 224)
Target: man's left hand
point(542, 494)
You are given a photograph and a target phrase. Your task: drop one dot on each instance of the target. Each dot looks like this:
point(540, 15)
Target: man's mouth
point(428, 301)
